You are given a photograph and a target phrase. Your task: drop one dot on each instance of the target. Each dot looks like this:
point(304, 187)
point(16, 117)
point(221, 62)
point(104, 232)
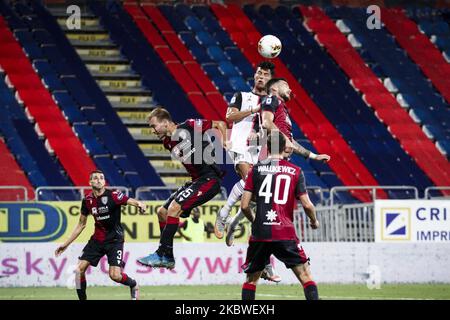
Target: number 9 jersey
point(276, 185)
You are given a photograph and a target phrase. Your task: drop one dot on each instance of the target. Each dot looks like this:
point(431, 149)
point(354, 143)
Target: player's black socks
point(311, 292)
point(127, 281)
point(80, 282)
point(166, 242)
point(248, 291)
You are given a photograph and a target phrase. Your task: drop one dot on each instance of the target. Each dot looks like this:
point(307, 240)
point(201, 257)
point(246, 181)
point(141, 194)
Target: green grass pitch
point(233, 292)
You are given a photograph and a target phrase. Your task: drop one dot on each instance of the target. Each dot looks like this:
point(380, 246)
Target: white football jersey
point(241, 129)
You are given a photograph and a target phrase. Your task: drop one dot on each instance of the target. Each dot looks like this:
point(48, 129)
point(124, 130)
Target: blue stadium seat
point(112, 175)
point(87, 136)
point(238, 84)
point(205, 39)
point(228, 69)
point(216, 53)
point(194, 24)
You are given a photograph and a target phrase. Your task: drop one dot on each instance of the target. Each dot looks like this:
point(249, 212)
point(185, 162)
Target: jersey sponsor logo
point(103, 210)
point(94, 211)
point(102, 218)
point(271, 217)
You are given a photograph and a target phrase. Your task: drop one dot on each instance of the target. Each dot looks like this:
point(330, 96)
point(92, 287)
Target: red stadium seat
point(200, 77)
point(166, 54)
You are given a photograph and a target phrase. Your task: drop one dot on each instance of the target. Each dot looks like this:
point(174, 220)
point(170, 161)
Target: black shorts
point(194, 194)
point(95, 250)
point(258, 254)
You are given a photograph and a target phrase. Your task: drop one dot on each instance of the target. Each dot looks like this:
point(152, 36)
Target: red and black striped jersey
point(192, 146)
point(276, 185)
point(280, 113)
point(106, 210)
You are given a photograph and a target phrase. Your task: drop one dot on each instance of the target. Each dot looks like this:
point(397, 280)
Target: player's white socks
point(235, 196)
point(235, 220)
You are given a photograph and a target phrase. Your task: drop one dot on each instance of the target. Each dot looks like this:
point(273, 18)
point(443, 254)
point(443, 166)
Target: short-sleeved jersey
point(106, 211)
point(276, 186)
point(188, 144)
point(241, 130)
point(280, 112)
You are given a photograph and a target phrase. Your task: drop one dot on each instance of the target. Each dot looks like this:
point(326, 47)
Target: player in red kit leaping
point(189, 142)
point(275, 185)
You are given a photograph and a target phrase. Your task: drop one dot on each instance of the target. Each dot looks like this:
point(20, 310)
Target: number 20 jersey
point(276, 185)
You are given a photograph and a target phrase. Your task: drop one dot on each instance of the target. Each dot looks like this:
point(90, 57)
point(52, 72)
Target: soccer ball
point(269, 46)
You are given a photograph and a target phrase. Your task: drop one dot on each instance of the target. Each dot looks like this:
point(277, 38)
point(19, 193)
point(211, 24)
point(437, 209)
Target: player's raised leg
point(223, 218)
point(198, 193)
point(80, 279)
point(162, 218)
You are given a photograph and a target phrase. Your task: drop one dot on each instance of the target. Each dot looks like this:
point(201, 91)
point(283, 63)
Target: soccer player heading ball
point(105, 206)
point(188, 143)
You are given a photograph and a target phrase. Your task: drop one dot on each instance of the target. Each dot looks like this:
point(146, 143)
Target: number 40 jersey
point(276, 185)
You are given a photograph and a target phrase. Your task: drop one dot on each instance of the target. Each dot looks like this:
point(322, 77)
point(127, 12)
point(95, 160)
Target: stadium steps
point(419, 48)
point(40, 105)
point(345, 164)
point(387, 109)
point(123, 161)
point(122, 86)
point(113, 73)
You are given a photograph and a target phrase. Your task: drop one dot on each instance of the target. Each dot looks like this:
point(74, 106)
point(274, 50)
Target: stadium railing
point(429, 192)
point(373, 189)
point(346, 223)
point(68, 193)
point(162, 193)
point(9, 188)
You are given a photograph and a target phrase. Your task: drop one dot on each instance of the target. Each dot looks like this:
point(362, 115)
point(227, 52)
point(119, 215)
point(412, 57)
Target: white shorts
point(250, 156)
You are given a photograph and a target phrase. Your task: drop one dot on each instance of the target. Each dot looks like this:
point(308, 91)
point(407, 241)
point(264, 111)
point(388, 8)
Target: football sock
point(80, 282)
point(238, 217)
point(127, 281)
point(248, 291)
point(235, 195)
point(311, 292)
point(162, 225)
point(166, 242)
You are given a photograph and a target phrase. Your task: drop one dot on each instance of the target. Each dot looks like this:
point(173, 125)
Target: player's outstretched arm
point(235, 115)
point(137, 204)
point(267, 121)
point(222, 127)
point(299, 149)
point(76, 232)
point(309, 210)
point(245, 205)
